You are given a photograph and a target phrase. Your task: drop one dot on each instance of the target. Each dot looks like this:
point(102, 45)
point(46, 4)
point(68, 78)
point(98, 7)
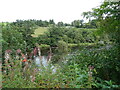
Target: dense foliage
point(108, 20)
point(85, 69)
point(94, 63)
point(69, 35)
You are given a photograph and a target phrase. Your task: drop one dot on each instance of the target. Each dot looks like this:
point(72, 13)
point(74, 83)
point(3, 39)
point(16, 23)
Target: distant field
point(40, 31)
point(3, 23)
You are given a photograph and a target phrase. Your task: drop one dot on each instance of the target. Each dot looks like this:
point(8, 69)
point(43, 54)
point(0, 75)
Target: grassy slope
point(40, 31)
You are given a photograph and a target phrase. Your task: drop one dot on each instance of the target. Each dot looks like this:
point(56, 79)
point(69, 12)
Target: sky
point(59, 10)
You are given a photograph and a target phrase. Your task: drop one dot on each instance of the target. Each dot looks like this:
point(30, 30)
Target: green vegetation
point(69, 35)
point(73, 75)
point(81, 55)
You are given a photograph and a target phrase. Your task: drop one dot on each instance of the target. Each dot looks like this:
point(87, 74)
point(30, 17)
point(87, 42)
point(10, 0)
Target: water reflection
point(41, 61)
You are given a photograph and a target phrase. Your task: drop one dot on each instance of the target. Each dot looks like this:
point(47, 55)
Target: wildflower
point(24, 60)
point(91, 67)
point(8, 51)
point(18, 51)
point(35, 51)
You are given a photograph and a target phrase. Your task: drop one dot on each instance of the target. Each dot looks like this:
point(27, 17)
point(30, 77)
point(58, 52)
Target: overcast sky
point(59, 10)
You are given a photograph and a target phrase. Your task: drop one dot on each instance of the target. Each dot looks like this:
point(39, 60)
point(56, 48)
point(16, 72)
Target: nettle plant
point(16, 70)
point(20, 68)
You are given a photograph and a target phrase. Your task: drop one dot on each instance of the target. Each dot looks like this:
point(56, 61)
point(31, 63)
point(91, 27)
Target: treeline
point(45, 23)
point(18, 34)
point(60, 31)
point(68, 35)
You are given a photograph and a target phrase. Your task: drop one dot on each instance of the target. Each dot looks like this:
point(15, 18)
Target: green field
point(40, 31)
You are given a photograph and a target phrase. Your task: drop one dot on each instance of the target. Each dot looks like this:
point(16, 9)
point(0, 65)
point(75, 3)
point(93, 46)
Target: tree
point(90, 24)
point(77, 23)
point(60, 24)
point(62, 47)
point(108, 24)
point(12, 39)
point(109, 19)
point(51, 21)
point(87, 15)
point(93, 23)
point(81, 23)
point(55, 34)
point(26, 29)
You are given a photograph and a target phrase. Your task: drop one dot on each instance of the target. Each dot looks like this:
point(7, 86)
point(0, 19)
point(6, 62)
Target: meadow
point(40, 31)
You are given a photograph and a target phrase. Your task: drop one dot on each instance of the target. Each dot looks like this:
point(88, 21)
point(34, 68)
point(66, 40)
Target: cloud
point(59, 10)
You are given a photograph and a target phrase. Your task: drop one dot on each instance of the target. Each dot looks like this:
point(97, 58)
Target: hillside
point(39, 31)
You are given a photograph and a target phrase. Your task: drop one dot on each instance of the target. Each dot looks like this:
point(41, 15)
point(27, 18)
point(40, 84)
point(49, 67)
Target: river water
point(44, 63)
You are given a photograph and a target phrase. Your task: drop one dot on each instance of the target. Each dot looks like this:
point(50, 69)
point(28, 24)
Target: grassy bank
point(70, 45)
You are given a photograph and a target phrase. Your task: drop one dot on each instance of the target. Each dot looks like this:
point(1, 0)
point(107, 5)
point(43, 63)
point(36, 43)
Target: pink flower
point(8, 51)
point(35, 51)
point(18, 51)
point(91, 67)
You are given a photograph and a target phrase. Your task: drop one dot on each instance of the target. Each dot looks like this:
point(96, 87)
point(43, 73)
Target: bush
point(105, 61)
